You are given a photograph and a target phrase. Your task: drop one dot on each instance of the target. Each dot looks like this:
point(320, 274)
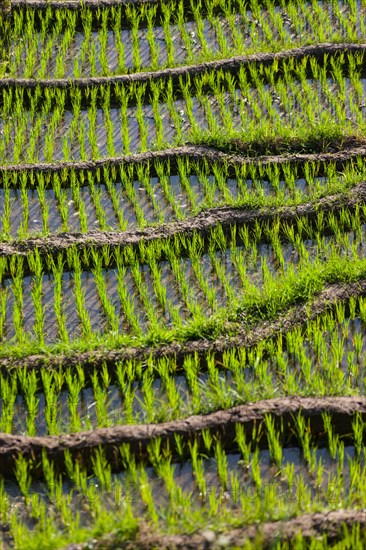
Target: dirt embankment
point(221, 423)
point(349, 151)
point(330, 524)
point(77, 5)
point(232, 65)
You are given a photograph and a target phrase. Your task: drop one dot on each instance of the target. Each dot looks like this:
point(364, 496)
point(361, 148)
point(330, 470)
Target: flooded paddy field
point(182, 274)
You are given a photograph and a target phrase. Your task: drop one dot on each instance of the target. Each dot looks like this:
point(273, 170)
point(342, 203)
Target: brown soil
point(221, 423)
point(232, 66)
point(348, 152)
point(297, 316)
point(203, 223)
point(310, 526)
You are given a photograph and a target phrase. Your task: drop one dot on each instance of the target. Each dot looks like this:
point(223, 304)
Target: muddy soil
point(311, 526)
point(349, 151)
point(221, 423)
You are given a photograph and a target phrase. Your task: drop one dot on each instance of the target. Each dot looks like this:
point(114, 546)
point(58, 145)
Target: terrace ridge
point(329, 523)
point(77, 4)
point(222, 423)
point(202, 223)
point(232, 65)
point(355, 148)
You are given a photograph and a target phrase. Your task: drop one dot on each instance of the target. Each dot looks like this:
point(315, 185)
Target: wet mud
point(221, 424)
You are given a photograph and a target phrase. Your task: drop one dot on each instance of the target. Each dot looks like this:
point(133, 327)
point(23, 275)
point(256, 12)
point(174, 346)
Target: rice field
point(182, 274)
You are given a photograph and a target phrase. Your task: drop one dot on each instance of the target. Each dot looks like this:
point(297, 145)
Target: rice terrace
point(182, 274)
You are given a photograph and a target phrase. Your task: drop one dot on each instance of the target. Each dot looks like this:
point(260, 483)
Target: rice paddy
point(182, 274)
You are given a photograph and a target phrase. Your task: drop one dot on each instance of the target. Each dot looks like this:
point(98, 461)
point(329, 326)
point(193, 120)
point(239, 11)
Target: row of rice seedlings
point(224, 488)
point(60, 49)
point(326, 357)
point(181, 288)
point(277, 110)
point(190, 267)
point(124, 197)
point(336, 339)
